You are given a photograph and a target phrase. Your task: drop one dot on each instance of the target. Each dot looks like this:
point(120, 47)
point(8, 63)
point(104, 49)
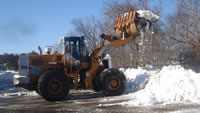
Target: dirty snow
point(172, 84)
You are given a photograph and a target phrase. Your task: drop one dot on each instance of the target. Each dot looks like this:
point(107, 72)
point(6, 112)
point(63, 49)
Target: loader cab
point(76, 47)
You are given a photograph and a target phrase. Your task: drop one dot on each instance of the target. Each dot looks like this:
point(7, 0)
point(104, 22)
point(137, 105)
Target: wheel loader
point(53, 74)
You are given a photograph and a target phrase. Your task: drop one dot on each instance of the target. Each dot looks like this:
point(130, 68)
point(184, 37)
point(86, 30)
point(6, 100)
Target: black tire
point(113, 82)
point(38, 92)
point(53, 86)
point(36, 89)
point(97, 83)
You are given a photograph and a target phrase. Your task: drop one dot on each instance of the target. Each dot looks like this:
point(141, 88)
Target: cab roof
point(74, 38)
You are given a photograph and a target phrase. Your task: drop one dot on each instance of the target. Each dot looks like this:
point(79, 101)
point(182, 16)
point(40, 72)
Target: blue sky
point(26, 24)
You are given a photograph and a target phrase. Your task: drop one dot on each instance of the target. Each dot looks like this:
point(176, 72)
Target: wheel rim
point(114, 84)
point(55, 87)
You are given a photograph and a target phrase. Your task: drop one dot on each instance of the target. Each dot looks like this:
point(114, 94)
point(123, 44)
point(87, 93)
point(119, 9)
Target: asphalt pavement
point(86, 102)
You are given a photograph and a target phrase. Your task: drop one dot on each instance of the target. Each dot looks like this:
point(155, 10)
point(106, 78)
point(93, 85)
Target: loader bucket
point(125, 29)
point(125, 25)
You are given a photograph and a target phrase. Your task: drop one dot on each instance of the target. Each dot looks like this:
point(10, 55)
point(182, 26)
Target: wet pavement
point(86, 102)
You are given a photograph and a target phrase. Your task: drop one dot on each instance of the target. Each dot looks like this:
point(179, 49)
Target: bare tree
point(138, 52)
point(183, 31)
point(89, 28)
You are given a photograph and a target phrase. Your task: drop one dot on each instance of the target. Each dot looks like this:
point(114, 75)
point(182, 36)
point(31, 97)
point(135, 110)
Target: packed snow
point(172, 84)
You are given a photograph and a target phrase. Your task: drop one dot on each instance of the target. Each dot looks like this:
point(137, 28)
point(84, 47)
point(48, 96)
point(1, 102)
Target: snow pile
point(136, 79)
point(173, 84)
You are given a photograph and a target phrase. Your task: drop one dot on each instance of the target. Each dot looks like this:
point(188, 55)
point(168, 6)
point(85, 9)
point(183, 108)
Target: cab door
point(75, 49)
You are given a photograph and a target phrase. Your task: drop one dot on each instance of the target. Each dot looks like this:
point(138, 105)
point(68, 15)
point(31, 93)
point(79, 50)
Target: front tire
point(113, 82)
point(97, 83)
point(53, 86)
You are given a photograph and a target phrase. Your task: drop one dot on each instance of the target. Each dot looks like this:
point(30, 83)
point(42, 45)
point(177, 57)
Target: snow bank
point(172, 84)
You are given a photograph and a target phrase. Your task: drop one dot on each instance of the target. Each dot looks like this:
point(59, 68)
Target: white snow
point(172, 84)
point(136, 79)
point(149, 15)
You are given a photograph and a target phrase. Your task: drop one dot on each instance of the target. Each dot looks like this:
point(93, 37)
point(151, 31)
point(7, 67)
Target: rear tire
point(53, 86)
point(38, 92)
point(113, 82)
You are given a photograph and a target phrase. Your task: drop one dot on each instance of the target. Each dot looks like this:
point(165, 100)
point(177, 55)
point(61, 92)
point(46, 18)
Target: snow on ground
point(7, 87)
point(172, 84)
